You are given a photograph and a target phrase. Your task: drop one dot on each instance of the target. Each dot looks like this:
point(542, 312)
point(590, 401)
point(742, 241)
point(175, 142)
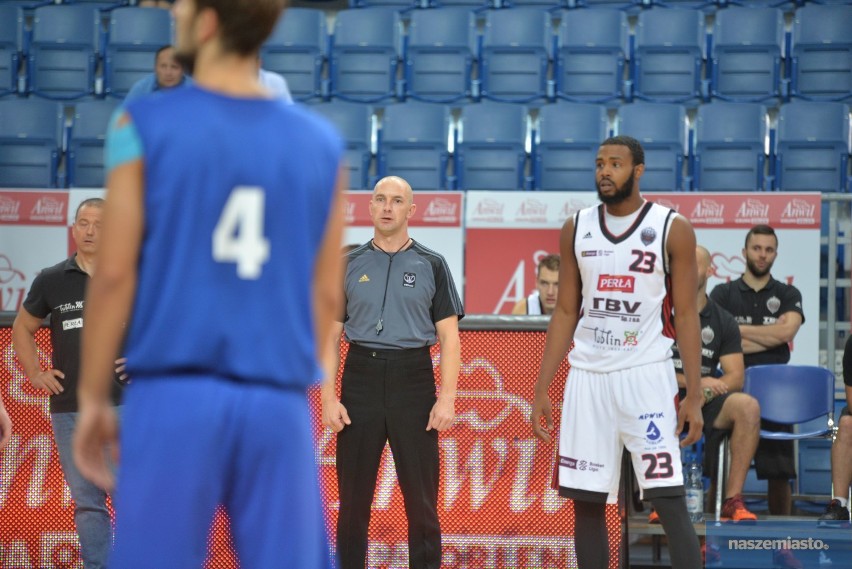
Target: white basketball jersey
point(626, 318)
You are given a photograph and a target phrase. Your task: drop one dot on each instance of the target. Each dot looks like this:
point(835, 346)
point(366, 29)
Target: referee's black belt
point(385, 354)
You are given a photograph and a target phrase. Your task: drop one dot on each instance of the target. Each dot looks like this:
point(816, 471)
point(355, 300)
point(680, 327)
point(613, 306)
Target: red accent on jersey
point(667, 312)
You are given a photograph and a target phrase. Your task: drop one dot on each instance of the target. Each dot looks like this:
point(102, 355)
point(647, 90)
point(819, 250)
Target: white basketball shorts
point(604, 412)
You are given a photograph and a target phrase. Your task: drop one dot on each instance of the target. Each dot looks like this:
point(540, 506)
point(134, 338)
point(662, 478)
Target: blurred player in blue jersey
point(222, 231)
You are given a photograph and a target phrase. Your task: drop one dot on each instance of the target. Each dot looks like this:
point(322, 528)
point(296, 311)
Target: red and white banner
point(496, 504)
point(525, 227)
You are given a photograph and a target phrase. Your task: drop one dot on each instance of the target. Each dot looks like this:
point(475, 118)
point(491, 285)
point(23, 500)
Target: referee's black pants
point(388, 395)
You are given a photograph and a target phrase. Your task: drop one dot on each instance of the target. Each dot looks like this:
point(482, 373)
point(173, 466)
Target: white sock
point(842, 501)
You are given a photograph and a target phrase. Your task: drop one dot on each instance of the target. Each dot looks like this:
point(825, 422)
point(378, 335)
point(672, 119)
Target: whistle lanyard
point(380, 323)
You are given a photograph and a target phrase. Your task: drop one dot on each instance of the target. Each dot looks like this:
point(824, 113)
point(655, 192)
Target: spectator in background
point(769, 314)
point(273, 82)
point(543, 299)
point(841, 452)
point(168, 73)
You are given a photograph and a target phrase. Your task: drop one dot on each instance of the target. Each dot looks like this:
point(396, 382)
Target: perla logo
point(532, 209)
point(349, 211)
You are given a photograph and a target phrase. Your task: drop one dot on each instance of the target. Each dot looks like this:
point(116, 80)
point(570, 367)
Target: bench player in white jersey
point(626, 288)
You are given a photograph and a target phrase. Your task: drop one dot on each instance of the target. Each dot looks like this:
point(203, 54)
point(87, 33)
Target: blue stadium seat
point(297, 49)
point(439, 54)
point(516, 49)
point(395, 4)
point(365, 54)
point(668, 55)
point(471, 4)
point(490, 154)
point(821, 63)
point(354, 121)
point(567, 141)
point(730, 142)
point(30, 131)
point(813, 147)
point(662, 130)
point(135, 35)
point(85, 155)
point(748, 44)
point(591, 52)
point(62, 54)
point(11, 30)
point(413, 144)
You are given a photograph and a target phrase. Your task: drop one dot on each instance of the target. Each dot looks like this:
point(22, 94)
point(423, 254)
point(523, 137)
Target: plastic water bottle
point(694, 485)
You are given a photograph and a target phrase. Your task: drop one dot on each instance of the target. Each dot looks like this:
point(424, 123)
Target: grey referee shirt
point(394, 299)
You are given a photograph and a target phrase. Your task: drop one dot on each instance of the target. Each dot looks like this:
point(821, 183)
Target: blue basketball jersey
point(237, 196)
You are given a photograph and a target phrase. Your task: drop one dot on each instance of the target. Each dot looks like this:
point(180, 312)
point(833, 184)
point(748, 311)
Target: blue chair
point(354, 121)
point(515, 54)
point(413, 144)
point(470, 4)
point(11, 31)
point(491, 152)
point(86, 136)
point(748, 44)
point(401, 5)
point(134, 36)
point(821, 62)
point(30, 131)
point(439, 54)
point(567, 141)
point(298, 49)
point(730, 147)
point(793, 395)
point(662, 130)
point(62, 55)
point(813, 147)
point(592, 47)
point(668, 55)
point(365, 54)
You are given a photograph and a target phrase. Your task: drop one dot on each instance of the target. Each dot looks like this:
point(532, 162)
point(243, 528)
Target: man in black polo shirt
point(400, 299)
point(60, 291)
point(769, 314)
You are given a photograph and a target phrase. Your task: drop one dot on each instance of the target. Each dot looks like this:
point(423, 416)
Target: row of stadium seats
point(454, 54)
point(67, 52)
point(498, 146)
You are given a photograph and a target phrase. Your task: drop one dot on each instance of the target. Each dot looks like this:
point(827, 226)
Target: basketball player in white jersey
point(627, 286)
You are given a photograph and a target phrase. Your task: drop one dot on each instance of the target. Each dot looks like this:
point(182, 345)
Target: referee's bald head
point(400, 182)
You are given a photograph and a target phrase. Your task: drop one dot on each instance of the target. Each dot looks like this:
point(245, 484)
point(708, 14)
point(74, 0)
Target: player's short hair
point(550, 262)
point(761, 229)
point(90, 202)
point(244, 24)
point(636, 150)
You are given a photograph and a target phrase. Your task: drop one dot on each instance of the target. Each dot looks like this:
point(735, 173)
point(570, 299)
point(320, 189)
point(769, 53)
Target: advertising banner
point(496, 504)
point(523, 229)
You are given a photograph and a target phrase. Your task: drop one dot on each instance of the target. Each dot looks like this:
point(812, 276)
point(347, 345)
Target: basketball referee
point(399, 300)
